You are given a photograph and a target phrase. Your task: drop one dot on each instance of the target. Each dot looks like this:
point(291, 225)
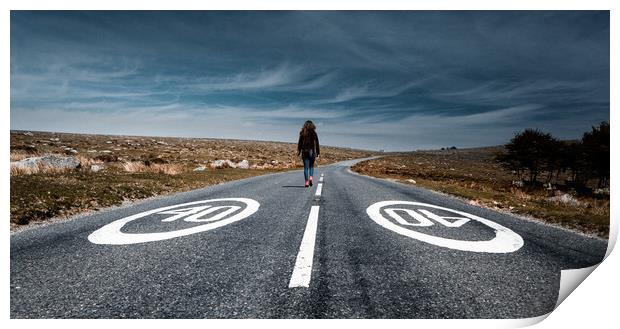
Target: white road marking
point(460, 221)
point(180, 213)
point(197, 214)
point(319, 189)
point(111, 233)
point(505, 240)
point(303, 265)
point(422, 221)
point(321, 178)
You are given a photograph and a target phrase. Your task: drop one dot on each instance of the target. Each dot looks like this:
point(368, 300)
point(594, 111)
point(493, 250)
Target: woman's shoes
point(310, 180)
point(306, 183)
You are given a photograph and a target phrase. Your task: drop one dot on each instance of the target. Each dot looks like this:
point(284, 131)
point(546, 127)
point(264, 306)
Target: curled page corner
point(570, 279)
point(525, 322)
point(613, 236)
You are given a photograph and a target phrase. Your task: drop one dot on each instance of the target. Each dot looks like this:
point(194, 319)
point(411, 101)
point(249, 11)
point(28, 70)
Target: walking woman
point(308, 148)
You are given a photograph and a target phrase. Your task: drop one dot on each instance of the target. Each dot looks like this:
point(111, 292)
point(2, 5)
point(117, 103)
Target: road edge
point(519, 216)
point(126, 204)
point(130, 203)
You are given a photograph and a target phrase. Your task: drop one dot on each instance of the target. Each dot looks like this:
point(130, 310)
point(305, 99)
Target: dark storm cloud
point(391, 80)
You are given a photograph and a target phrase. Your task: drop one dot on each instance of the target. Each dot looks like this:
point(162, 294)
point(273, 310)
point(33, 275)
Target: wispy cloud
point(390, 80)
point(500, 116)
point(370, 90)
point(280, 76)
point(498, 91)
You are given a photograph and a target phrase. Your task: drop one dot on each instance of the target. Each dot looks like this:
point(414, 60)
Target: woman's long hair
point(305, 130)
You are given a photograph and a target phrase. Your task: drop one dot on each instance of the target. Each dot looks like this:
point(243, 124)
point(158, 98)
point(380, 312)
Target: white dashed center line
point(321, 178)
point(303, 266)
point(319, 189)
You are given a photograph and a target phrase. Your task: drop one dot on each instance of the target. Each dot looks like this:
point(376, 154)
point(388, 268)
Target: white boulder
point(244, 164)
point(218, 164)
point(49, 161)
point(566, 199)
point(200, 168)
point(96, 168)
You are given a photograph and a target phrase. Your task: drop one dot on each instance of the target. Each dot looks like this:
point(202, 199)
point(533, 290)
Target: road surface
point(349, 247)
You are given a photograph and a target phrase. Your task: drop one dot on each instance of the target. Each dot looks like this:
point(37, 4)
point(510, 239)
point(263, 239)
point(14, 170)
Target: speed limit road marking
point(426, 215)
point(195, 212)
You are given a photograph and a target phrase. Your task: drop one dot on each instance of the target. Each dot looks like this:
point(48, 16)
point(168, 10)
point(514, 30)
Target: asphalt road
point(256, 267)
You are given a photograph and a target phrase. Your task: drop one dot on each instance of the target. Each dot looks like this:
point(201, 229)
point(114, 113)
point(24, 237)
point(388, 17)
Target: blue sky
point(373, 80)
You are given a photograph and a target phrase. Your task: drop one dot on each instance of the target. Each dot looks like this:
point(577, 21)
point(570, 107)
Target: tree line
point(536, 157)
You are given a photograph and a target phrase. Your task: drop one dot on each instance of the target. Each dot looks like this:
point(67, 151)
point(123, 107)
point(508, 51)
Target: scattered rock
point(49, 161)
point(566, 199)
point(411, 181)
point(108, 142)
point(96, 168)
point(474, 202)
point(162, 143)
point(69, 150)
point(200, 168)
point(517, 183)
point(28, 133)
point(601, 191)
point(60, 162)
point(219, 164)
point(27, 148)
point(244, 164)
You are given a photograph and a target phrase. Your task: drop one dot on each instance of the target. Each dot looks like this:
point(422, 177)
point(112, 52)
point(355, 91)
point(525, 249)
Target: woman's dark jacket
point(308, 144)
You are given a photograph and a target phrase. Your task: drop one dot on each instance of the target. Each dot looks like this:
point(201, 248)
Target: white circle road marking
point(505, 240)
point(111, 233)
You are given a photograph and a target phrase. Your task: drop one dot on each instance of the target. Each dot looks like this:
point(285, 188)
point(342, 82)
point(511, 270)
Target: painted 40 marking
point(505, 240)
point(197, 211)
point(214, 213)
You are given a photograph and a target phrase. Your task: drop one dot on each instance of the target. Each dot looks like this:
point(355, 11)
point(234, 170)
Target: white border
point(594, 303)
point(310, 5)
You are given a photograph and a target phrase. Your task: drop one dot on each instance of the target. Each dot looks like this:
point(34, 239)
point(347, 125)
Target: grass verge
point(115, 169)
point(39, 196)
point(474, 175)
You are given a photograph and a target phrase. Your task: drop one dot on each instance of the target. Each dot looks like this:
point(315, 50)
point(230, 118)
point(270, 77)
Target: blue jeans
point(308, 167)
